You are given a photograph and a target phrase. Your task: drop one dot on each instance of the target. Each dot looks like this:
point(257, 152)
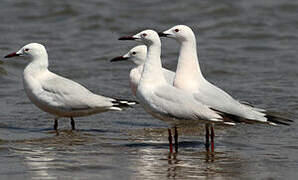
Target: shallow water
point(249, 48)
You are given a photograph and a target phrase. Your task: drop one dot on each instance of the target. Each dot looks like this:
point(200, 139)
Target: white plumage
point(57, 95)
point(189, 78)
point(138, 55)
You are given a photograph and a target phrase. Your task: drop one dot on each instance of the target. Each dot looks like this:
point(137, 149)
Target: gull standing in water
point(138, 55)
point(162, 100)
point(57, 95)
point(189, 78)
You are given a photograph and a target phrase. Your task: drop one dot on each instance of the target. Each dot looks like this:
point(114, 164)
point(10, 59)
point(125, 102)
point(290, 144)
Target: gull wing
point(176, 103)
point(67, 94)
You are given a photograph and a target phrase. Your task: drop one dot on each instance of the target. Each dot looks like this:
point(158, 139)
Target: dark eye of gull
point(134, 53)
point(144, 34)
point(26, 49)
point(176, 30)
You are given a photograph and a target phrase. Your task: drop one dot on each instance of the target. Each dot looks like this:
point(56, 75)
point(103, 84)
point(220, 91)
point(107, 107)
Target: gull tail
point(128, 102)
point(118, 104)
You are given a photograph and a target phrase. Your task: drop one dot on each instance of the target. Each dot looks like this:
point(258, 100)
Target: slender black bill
point(127, 38)
point(119, 58)
point(11, 55)
point(161, 34)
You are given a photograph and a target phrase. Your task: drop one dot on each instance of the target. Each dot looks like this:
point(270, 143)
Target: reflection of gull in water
point(38, 161)
point(42, 157)
point(153, 163)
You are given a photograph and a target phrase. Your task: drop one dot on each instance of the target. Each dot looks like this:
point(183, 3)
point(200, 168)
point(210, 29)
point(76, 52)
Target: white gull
point(162, 100)
point(57, 95)
point(189, 78)
point(138, 55)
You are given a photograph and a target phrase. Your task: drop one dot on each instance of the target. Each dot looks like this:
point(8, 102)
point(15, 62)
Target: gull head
point(180, 33)
point(148, 37)
point(32, 51)
point(137, 55)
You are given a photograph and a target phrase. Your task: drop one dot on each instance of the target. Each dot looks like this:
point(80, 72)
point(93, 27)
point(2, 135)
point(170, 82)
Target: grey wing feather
point(220, 100)
point(68, 94)
point(251, 106)
point(180, 105)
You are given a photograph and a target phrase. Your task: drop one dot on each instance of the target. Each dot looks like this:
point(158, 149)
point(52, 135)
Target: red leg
point(170, 140)
point(207, 137)
point(176, 139)
point(212, 138)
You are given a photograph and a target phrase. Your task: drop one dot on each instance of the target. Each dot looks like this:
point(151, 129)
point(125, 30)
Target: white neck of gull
point(188, 73)
point(38, 63)
point(152, 70)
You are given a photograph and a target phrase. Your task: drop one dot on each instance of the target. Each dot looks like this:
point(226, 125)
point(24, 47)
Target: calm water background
point(249, 48)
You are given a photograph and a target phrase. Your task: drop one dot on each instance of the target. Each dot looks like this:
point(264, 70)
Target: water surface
point(248, 48)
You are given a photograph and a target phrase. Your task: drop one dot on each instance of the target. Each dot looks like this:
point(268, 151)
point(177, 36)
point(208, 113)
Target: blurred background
point(248, 48)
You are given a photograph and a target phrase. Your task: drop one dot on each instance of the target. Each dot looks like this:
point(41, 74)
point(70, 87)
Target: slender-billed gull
point(162, 100)
point(138, 55)
point(57, 95)
point(189, 78)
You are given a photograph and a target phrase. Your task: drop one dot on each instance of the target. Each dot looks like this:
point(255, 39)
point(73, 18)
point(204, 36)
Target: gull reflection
point(38, 161)
point(43, 156)
point(191, 162)
point(172, 162)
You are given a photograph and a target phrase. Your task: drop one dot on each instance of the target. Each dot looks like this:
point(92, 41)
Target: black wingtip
point(279, 120)
point(270, 119)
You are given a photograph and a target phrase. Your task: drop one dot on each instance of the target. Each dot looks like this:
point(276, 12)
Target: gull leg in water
point(56, 124)
point(176, 139)
point(170, 140)
point(207, 137)
point(212, 138)
point(73, 125)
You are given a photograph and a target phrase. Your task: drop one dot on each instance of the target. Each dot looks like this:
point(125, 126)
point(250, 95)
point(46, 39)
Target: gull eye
point(176, 30)
point(134, 53)
point(26, 49)
point(144, 34)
